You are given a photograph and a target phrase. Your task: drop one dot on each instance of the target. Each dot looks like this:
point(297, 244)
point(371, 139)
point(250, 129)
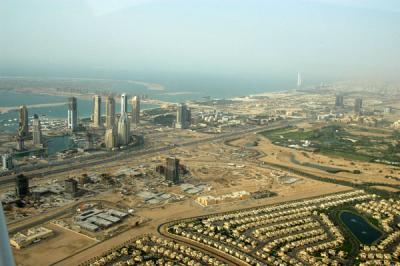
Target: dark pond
point(358, 225)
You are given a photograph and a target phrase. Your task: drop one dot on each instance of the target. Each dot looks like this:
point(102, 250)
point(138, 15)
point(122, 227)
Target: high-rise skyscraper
point(339, 101)
point(299, 80)
point(111, 138)
point(21, 186)
point(124, 103)
point(36, 131)
point(23, 129)
point(136, 110)
point(72, 114)
point(7, 161)
point(358, 106)
point(20, 143)
point(110, 112)
point(172, 170)
point(123, 129)
point(183, 116)
point(97, 111)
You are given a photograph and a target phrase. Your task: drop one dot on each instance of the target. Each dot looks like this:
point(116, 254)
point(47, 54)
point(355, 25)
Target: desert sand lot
point(370, 172)
point(63, 243)
point(208, 164)
point(189, 208)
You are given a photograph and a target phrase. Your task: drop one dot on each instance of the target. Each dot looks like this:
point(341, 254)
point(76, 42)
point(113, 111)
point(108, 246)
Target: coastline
point(83, 96)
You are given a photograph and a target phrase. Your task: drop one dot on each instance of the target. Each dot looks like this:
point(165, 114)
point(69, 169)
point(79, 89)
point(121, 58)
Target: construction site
point(95, 208)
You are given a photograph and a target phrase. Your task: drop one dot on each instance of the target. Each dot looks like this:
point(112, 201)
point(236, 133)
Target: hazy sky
point(321, 38)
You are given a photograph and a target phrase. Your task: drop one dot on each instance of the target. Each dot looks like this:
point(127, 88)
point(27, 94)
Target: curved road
point(207, 249)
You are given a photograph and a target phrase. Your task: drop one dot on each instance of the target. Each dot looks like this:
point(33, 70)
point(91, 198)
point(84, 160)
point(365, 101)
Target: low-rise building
point(234, 196)
point(20, 240)
point(87, 226)
point(95, 219)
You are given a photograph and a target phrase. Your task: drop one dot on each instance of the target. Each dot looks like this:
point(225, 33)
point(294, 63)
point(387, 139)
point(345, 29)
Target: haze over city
point(199, 132)
point(254, 41)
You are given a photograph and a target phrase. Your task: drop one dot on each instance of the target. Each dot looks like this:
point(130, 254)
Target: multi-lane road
point(45, 170)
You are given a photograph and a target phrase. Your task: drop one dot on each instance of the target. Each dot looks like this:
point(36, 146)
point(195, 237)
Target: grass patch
point(337, 140)
point(346, 247)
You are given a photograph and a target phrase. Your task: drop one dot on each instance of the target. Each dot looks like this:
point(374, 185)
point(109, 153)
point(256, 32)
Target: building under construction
point(21, 186)
point(71, 187)
point(172, 170)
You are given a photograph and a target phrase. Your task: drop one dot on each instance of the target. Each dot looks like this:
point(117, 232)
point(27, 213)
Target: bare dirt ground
point(209, 164)
point(370, 172)
point(223, 168)
point(48, 251)
point(189, 208)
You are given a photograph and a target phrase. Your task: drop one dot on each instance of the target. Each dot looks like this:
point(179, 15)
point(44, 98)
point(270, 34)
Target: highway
point(97, 159)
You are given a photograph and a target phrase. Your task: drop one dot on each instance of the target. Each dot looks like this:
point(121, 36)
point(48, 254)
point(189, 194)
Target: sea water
point(9, 121)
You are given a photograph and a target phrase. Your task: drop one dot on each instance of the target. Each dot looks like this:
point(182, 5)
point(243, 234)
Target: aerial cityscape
point(165, 166)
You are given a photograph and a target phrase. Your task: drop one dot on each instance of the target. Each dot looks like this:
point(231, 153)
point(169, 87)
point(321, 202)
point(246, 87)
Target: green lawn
point(336, 140)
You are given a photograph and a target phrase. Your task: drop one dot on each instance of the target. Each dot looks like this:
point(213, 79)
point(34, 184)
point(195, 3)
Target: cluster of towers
point(358, 104)
point(117, 129)
point(117, 132)
point(23, 134)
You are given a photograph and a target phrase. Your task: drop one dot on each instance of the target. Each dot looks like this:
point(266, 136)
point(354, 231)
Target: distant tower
point(183, 116)
point(88, 144)
point(97, 111)
point(21, 186)
point(36, 131)
point(172, 170)
point(136, 110)
point(358, 106)
point(111, 138)
point(299, 80)
point(124, 103)
point(7, 162)
point(188, 117)
point(123, 129)
point(110, 112)
point(339, 101)
point(72, 114)
point(23, 130)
